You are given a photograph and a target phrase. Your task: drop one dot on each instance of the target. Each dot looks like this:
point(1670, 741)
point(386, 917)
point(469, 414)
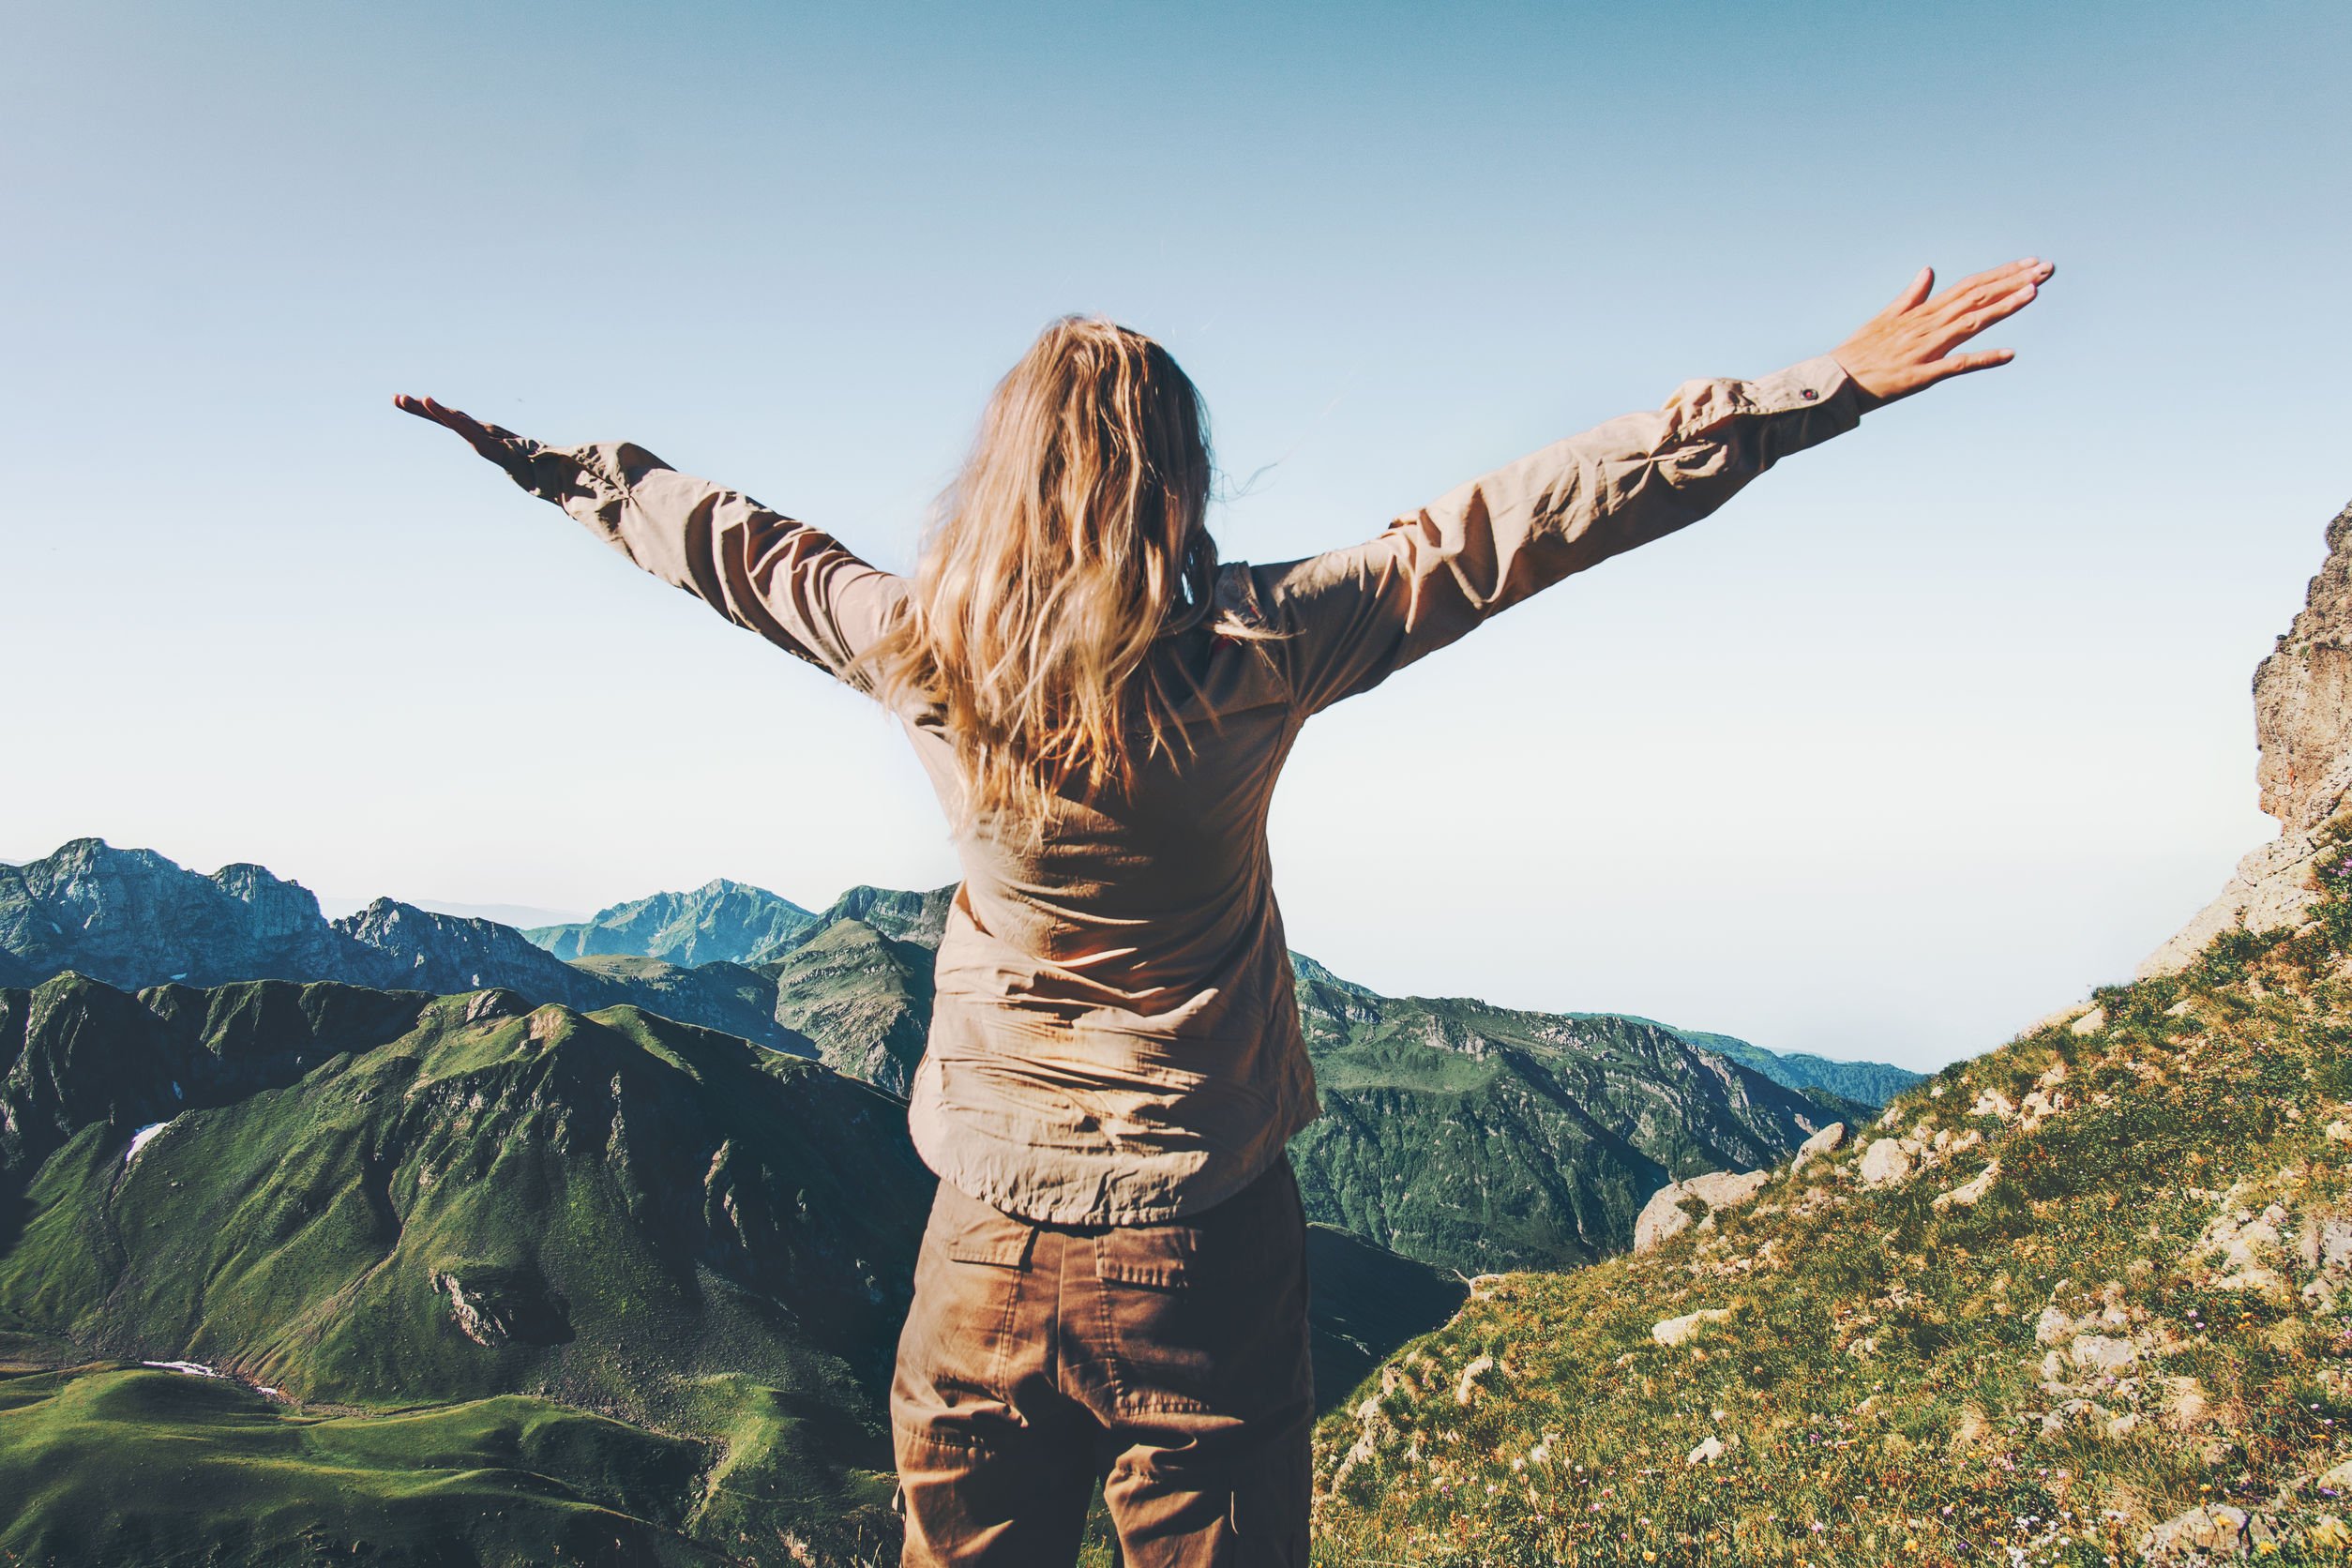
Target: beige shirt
point(1115, 1037)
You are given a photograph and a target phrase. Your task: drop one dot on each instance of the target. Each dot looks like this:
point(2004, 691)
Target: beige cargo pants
point(1170, 1361)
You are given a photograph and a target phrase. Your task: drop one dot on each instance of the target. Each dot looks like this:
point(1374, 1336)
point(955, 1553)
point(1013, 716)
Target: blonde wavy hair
point(1071, 543)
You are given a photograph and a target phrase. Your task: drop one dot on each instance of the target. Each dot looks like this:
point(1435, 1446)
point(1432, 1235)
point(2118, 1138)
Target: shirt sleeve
point(1345, 620)
point(793, 584)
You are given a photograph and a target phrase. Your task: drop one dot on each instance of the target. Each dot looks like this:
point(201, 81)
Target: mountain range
point(1456, 1133)
point(402, 1229)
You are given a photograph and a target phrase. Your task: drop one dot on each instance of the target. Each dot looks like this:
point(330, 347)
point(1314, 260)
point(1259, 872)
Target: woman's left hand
point(1908, 345)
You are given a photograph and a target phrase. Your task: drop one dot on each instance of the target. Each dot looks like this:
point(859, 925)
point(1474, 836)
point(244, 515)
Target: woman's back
point(1115, 1037)
point(1134, 951)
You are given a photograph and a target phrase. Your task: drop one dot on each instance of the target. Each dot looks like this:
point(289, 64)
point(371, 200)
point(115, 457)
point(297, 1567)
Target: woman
point(1113, 1284)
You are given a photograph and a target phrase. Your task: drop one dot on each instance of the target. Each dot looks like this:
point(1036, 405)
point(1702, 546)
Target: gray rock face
point(131, 917)
point(1674, 1331)
point(422, 951)
point(2303, 723)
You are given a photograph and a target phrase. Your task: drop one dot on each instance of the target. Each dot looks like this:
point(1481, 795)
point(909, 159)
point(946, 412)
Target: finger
point(1959, 329)
point(457, 419)
point(1971, 292)
point(1912, 294)
point(425, 408)
point(1960, 364)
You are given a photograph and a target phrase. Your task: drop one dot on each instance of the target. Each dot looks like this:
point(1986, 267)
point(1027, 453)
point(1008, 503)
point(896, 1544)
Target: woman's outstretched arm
point(1353, 616)
point(793, 584)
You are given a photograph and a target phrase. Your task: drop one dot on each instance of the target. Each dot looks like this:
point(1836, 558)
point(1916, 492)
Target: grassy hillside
point(2113, 1291)
point(107, 1462)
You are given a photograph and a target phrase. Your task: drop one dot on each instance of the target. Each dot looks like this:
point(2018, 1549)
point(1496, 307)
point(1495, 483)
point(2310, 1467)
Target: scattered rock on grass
point(1965, 1194)
point(2215, 1529)
point(1673, 1330)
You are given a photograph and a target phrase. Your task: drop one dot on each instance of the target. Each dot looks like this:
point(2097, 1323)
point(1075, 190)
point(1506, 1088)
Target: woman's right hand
point(501, 446)
point(1908, 345)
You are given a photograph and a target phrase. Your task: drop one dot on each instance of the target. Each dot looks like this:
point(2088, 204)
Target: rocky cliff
point(2303, 723)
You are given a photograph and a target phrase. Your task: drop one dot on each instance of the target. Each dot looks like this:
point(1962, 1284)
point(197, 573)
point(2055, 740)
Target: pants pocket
point(1198, 1314)
point(951, 1380)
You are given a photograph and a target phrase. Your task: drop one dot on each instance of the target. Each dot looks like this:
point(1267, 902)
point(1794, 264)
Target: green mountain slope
point(896, 913)
point(1479, 1139)
point(2068, 1293)
point(862, 998)
point(478, 1280)
point(385, 1201)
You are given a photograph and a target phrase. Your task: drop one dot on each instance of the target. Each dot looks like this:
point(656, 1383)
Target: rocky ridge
point(721, 921)
point(2303, 698)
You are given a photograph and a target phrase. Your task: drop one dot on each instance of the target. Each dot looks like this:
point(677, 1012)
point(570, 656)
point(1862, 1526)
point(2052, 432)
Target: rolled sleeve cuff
point(1808, 384)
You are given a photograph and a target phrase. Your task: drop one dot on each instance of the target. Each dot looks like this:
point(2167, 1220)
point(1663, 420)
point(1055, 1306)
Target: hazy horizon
point(1930, 731)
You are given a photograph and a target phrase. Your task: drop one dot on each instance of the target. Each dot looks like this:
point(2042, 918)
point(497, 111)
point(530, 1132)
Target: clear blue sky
point(1927, 731)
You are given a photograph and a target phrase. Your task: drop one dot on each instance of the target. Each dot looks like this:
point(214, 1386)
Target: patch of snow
point(140, 1138)
point(175, 1091)
point(193, 1368)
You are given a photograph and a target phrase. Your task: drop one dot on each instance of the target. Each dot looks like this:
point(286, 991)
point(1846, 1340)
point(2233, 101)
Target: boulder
point(1886, 1161)
point(1965, 1194)
point(1665, 1215)
point(1828, 1141)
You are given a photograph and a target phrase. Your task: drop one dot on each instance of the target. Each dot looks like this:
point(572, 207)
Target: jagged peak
point(91, 854)
point(1314, 973)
